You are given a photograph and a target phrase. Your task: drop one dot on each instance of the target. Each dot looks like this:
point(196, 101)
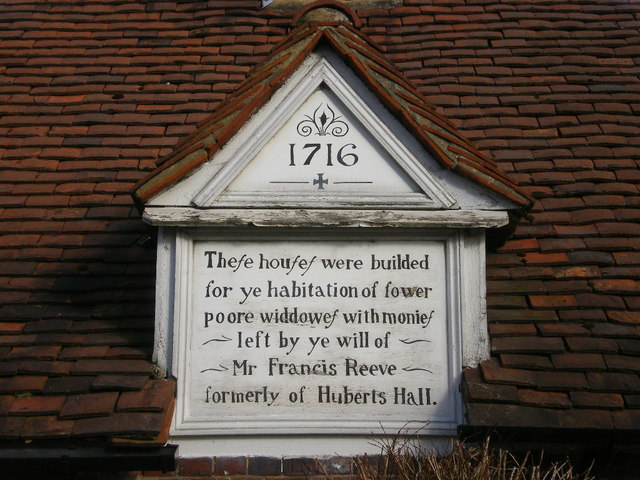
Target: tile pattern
point(94, 95)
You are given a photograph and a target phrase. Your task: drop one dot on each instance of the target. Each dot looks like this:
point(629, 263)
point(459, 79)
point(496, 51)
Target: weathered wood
point(191, 217)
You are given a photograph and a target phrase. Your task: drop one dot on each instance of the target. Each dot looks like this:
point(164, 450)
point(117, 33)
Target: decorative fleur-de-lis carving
point(323, 122)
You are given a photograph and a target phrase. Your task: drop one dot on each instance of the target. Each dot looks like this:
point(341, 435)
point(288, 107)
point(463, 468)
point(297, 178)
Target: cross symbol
point(320, 181)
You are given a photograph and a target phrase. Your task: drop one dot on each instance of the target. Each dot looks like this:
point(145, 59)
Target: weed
point(405, 459)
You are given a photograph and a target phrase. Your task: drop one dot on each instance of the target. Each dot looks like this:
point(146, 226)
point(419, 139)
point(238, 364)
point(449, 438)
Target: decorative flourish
point(221, 369)
point(223, 339)
point(413, 369)
point(406, 341)
point(323, 122)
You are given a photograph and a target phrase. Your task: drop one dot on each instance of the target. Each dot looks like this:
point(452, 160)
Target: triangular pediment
point(327, 123)
point(321, 148)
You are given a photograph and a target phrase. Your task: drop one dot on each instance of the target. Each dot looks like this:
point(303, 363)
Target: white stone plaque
point(323, 150)
point(322, 155)
point(321, 335)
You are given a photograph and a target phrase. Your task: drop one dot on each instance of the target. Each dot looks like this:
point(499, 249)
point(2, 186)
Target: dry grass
point(403, 460)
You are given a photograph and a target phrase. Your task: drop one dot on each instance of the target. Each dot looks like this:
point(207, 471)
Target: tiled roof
point(93, 95)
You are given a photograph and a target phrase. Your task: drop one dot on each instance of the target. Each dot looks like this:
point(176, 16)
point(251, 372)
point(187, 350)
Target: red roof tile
point(89, 405)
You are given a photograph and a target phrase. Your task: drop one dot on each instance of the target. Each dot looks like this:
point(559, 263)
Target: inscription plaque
point(320, 335)
point(321, 276)
point(324, 152)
